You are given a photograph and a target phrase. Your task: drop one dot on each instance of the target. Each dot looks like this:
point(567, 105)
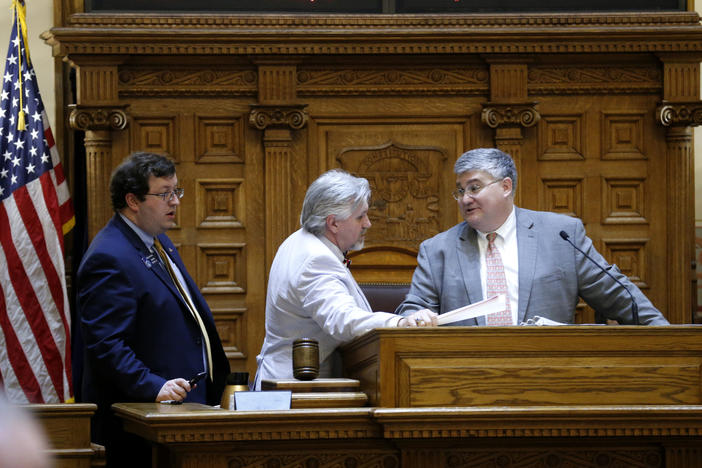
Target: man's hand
point(175, 389)
point(421, 318)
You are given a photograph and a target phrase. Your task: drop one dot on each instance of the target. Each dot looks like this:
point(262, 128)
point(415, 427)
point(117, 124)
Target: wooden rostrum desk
point(583, 396)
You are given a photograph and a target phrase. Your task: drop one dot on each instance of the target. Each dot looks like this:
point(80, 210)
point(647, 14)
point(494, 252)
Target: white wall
point(40, 17)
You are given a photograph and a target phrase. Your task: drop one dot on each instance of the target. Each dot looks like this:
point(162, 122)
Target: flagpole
point(20, 17)
point(35, 208)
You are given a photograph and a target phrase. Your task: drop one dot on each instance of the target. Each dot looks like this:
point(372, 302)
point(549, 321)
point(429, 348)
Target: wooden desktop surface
point(193, 435)
point(580, 396)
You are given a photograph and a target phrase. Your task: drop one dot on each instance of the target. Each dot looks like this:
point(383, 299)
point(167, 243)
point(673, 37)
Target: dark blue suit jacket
point(138, 332)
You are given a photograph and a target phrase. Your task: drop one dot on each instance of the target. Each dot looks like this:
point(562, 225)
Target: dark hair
point(132, 176)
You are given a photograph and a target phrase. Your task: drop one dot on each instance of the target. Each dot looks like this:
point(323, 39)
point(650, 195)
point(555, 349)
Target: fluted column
point(681, 214)
point(278, 116)
point(98, 113)
point(679, 112)
point(509, 110)
point(421, 457)
point(682, 455)
point(97, 124)
point(508, 121)
point(680, 168)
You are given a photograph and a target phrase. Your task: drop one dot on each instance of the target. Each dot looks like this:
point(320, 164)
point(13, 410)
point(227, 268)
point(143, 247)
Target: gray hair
point(335, 192)
point(491, 160)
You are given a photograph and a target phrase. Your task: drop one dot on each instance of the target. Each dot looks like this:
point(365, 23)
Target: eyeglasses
point(472, 189)
point(168, 196)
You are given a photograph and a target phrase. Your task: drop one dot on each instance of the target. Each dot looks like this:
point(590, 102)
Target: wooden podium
point(585, 396)
point(528, 366)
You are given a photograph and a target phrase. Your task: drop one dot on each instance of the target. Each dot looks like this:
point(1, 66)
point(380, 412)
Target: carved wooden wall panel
point(156, 134)
point(220, 139)
point(623, 200)
point(631, 454)
point(401, 127)
point(220, 203)
point(562, 138)
point(232, 328)
point(254, 108)
point(409, 165)
point(630, 257)
point(221, 268)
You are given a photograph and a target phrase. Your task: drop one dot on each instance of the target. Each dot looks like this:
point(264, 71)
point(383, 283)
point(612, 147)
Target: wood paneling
point(528, 366)
point(595, 109)
point(193, 435)
point(67, 428)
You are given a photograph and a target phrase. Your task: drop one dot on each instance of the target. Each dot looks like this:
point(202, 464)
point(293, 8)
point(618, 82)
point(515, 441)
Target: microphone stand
point(634, 305)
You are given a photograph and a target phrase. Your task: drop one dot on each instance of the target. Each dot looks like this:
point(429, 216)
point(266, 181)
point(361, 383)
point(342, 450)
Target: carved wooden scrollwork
point(98, 118)
point(322, 460)
point(687, 114)
point(497, 115)
point(293, 117)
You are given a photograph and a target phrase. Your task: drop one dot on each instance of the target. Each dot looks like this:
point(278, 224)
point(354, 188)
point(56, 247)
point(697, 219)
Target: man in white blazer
point(544, 273)
point(311, 292)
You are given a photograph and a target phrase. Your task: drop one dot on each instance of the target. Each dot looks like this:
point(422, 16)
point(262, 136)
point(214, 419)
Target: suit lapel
point(148, 258)
point(199, 302)
point(351, 284)
point(526, 243)
point(165, 277)
point(468, 255)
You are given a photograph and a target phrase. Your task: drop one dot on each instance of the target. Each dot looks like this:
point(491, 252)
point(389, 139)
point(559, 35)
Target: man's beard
point(359, 244)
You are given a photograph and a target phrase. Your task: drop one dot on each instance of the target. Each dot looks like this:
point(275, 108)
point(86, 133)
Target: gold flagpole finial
point(21, 15)
point(21, 12)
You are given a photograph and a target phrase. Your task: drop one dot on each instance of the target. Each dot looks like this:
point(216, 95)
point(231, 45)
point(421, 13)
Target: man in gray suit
point(541, 273)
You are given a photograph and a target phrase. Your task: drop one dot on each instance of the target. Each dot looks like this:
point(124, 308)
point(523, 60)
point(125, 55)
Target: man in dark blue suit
point(146, 327)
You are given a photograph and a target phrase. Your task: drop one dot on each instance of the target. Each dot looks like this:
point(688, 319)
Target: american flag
point(35, 213)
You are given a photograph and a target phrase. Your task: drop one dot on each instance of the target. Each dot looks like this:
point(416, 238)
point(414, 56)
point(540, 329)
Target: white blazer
point(311, 294)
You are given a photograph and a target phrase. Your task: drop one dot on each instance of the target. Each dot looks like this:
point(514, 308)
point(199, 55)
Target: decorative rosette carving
point(97, 118)
point(498, 115)
point(263, 116)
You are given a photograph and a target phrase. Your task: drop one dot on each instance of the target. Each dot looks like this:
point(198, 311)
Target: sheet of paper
point(477, 309)
point(541, 321)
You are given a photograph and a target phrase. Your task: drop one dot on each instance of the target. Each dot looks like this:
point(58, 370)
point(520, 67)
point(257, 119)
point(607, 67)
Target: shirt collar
point(146, 238)
point(507, 228)
point(333, 247)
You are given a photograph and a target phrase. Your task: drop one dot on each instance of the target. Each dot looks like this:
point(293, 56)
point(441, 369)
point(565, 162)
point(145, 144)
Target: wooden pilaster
point(97, 113)
point(277, 115)
point(680, 111)
point(508, 110)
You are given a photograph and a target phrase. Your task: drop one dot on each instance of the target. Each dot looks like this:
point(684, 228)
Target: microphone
point(634, 305)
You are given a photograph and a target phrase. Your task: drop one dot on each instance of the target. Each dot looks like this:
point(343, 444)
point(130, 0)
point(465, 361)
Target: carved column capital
point(496, 115)
point(686, 114)
point(98, 117)
point(292, 116)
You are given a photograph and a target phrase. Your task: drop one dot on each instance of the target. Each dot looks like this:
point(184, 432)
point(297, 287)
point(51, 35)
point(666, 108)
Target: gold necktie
point(188, 301)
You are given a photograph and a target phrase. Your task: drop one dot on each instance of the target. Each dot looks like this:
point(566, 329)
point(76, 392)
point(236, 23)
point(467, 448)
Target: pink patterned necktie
point(496, 282)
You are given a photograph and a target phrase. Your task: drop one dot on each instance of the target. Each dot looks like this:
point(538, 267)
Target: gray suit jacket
point(552, 274)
